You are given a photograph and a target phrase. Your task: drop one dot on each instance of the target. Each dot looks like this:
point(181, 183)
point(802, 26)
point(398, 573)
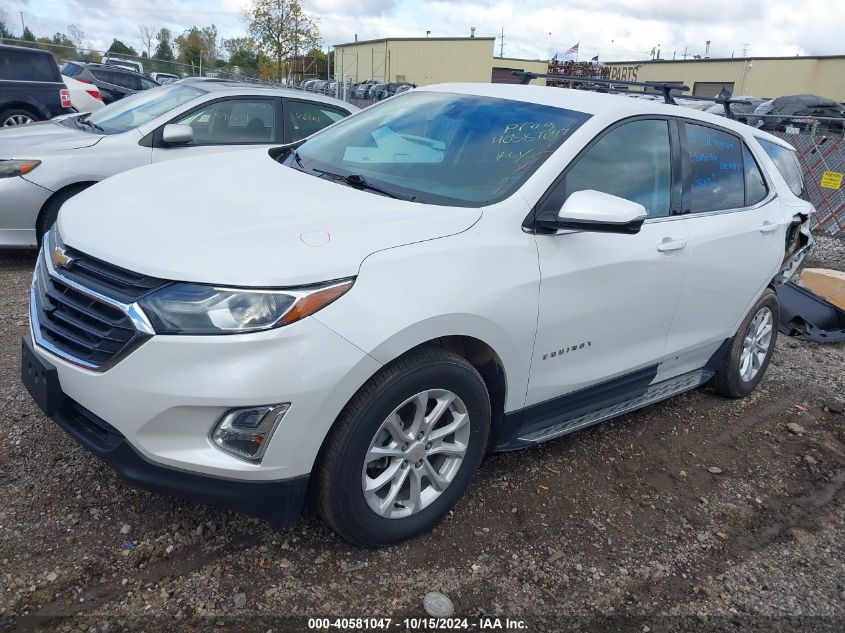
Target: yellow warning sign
point(831, 179)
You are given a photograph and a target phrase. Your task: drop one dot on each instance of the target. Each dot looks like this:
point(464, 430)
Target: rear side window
point(303, 119)
point(717, 177)
point(26, 66)
point(71, 70)
point(787, 163)
point(755, 184)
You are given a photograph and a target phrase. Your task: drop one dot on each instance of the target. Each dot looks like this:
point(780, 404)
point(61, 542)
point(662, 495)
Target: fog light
point(245, 433)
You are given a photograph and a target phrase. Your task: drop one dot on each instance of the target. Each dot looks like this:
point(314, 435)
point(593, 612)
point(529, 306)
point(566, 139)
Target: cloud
point(613, 29)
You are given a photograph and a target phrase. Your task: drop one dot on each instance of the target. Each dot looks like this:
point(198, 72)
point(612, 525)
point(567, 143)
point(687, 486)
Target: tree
point(164, 49)
point(4, 26)
point(122, 49)
point(242, 52)
point(28, 38)
point(198, 47)
point(60, 45)
point(77, 36)
point(282, 29)
point(147, 35)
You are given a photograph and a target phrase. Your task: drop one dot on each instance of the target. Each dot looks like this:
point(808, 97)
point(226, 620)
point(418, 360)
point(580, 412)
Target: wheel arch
point(75, 187)
point(30, 107)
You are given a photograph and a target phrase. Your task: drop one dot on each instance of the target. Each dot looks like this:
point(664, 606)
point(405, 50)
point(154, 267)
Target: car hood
point(36, 139)
point(242, 219)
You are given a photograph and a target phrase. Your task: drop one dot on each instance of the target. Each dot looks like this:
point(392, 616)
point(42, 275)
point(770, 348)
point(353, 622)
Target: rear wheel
point(404, 449)
point(15, 117)
point(751, 350)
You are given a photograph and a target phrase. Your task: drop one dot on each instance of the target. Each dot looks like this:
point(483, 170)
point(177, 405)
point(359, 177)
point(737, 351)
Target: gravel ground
point(698, 513)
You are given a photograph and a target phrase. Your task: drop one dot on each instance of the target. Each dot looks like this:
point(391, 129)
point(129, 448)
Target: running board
point(653, 393)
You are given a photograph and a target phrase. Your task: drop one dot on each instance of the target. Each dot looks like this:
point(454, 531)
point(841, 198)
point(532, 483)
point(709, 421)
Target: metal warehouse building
point(428, 60)
point(754, 76)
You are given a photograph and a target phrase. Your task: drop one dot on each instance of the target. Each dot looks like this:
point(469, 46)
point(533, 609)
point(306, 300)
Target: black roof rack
point(665, 88)
point(604, 85)
point(724, 99)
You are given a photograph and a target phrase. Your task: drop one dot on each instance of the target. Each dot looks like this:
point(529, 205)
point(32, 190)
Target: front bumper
point(20, 203)
point(277, 502)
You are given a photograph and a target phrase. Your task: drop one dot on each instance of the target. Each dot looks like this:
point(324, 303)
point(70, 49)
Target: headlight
point(195, 309)
point(12, 168)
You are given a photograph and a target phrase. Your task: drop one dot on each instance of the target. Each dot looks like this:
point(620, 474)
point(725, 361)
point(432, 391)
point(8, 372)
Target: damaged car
point(459, 270)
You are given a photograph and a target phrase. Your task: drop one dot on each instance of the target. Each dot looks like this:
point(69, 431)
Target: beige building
point(754, 76)
point(428, 60)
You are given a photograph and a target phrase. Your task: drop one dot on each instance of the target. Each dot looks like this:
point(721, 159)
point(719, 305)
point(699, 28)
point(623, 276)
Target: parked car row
point(366, 90)
point(46, 165)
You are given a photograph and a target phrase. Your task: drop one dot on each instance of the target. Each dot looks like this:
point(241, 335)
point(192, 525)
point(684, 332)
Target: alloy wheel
point(416, 453)
point(756, 344)
point(17, 119)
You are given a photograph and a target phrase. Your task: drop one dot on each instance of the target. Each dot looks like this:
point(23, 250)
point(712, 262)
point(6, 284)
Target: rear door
point(736, 230)
point(225, 125)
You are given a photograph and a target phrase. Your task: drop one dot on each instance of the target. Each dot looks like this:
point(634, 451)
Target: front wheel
point(751, 350)
point(15, 117)
point(404, 449)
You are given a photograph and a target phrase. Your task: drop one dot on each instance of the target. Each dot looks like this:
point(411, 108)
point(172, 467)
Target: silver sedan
point(44, 164)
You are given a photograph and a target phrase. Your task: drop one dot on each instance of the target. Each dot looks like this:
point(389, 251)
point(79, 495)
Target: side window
point(26, 66)
point(755, 184)
point(233, 121)
point(303, 119)
point(146, 84)
point(787, 163)
point(632, 161)
point(717, 179)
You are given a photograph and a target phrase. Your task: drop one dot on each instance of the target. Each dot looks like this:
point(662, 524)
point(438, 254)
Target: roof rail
point(665, 88)
point(723, 99)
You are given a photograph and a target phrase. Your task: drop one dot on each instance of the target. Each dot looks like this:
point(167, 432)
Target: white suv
point(365, 314)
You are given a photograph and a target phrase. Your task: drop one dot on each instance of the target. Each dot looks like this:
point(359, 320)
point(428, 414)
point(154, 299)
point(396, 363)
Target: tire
point(343, 468)
point(50, 210)
point(17, 116)
point(731, 380)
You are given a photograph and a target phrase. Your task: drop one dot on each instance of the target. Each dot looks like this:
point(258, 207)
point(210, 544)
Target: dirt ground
point(699, 513)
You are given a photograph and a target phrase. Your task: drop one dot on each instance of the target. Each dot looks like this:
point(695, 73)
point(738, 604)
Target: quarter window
point(632, 161)
point(717, 177)
point(755, 184)
point(233, 121)
point(787, 163)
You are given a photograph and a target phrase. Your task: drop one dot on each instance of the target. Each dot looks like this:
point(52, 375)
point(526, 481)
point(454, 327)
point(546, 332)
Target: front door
point(226, 125)
point(607, 300)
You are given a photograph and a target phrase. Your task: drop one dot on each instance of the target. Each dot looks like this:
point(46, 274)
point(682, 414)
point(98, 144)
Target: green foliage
point(5, 31)
point(164, 48)
point(242, 52)
point(281, 30)
point(120, 48)
point(198, 45)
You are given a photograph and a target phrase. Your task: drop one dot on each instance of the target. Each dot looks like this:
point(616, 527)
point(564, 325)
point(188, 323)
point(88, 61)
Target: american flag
point(573, 50)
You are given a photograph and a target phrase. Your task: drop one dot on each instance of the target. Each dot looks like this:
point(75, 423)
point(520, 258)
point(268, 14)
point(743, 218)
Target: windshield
point(142, 107)
point(441, 148)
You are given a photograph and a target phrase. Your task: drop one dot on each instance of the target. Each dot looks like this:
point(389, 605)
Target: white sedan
point(43, 165)
point(84, 96)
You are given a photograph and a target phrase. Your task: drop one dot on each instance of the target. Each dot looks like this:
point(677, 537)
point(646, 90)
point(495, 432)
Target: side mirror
point(177, 134)
point(597, 212)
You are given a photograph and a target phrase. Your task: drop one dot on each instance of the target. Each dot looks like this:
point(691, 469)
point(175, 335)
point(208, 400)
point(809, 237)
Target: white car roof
point(613, 106)
point(243, 88)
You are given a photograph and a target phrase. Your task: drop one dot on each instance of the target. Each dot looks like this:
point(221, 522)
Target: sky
point(534, 29)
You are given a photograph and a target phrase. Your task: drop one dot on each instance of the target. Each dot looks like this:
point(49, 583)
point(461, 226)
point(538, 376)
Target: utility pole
point(502, 44)
point(685, 51)
point(23, 26)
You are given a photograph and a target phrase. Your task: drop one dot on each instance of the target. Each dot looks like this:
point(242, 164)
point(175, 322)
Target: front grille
point(121, 284)
point(95, 432)
point(75, 325)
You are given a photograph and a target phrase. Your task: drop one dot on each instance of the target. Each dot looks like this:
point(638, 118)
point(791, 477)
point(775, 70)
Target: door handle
point(668, 245)
point(768, 227)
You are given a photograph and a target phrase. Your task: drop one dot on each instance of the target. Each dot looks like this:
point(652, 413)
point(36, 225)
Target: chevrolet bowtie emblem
point(60, 257)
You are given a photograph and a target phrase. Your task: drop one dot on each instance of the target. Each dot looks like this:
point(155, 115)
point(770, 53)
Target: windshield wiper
point(93, 125)
point(357, 181)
